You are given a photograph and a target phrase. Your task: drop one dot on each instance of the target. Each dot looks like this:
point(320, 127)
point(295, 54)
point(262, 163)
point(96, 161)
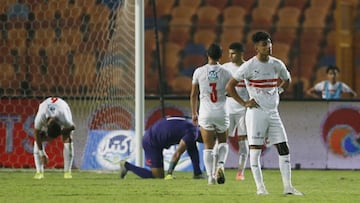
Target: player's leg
point(256, 125)
point(243, 147)
point(278, 136)
point(139, 171)
point(222, 151)
point(243, 156)
point(39, 166)
point(68, 154)
point(208, 136)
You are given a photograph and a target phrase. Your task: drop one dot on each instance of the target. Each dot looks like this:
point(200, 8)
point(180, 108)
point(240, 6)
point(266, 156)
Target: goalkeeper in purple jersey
point(163, 134)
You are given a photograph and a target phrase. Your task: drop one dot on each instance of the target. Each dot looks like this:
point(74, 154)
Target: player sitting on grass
point(163, 134)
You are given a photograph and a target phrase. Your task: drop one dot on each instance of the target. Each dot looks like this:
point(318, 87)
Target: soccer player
point(208, 85)
point(53, 119)
point(261, 74)
point(163, 134)
point(237, 127)
point(331, 88)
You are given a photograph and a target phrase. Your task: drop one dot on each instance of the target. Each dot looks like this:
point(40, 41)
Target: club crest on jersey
point(213, 76)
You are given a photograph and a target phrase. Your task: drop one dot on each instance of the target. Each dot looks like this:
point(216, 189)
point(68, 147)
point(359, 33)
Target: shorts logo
point(340, 130)
point(114, 147)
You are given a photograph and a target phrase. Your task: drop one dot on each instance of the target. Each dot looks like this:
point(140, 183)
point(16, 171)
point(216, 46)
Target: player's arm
point(39, 139)
point(283, 85)
point(313, 93)
point(176, 156)
point(231, 91)
point(194, 103)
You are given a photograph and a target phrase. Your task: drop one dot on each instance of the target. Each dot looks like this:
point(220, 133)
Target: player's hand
point(251, 104)
point(195, 119)
point(44, 159)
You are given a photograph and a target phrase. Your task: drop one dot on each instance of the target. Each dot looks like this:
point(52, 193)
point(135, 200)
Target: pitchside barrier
point(322, 135)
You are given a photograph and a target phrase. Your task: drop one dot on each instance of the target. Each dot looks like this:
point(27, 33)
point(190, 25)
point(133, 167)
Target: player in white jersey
point(52, 119)
point(208, 85)
point(262, 73)
point(331, 88)
point(237, 127)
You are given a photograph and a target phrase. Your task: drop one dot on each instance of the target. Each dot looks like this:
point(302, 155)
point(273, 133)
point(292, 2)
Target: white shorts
point(237, 124)
point(261, 125)
point(219, 124)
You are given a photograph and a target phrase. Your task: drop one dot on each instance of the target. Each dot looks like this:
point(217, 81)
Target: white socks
point(256, 167)
point(208, 161)
point(68, 154)
point(243, 155)
point(285, 169)
point(39, 166)
point(222, 150)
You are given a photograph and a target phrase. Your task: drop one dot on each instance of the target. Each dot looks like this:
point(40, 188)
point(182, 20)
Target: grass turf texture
point(318, 186)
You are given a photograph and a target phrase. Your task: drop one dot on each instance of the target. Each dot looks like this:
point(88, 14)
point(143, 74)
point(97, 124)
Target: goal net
point(80, 50)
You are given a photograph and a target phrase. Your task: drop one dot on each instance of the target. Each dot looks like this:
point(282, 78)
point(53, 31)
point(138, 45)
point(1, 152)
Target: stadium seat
point(72, 37)
point(262, 18)
point(184, 12)
point(191, 3)
point(282, 51)
point(181, 85)
point(232, 12)
point(288, 18)
point(207, 17)
point(17, 39)
point(300, 4)
point(230, 35)
point(315, 17)
point(163, 8)
point(221, 5)
point(246, 4)
point(44, 17)
point(179, 31)
point(325, 4)
point(274, 4)
point(284, 35)
point(204, 37)
point(5, 5)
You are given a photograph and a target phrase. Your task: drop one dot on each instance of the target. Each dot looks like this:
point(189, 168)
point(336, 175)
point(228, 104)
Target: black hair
point(214, 51)
point(260, 36)
point(53, 129)
point(237, 46)
point(332, 68)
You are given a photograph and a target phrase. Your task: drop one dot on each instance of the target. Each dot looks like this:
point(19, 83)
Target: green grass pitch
point(318, 185)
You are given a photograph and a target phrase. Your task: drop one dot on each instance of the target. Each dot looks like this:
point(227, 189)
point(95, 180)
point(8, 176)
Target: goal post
point(89, 52)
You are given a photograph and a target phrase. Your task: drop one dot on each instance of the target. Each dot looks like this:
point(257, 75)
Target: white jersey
point(332, 91)
point(232, 106)
point(50, 108)
point(262, 80)
point(212, 80)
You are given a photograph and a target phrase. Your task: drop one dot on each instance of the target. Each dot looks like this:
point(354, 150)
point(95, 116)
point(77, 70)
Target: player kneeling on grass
point(53, 119)
point(163, 134)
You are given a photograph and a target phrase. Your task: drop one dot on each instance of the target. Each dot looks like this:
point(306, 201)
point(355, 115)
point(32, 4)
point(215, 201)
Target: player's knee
point(283, 148)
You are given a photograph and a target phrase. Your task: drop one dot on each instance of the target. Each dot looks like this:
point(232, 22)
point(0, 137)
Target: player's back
point(169, 131)
point(212, 80)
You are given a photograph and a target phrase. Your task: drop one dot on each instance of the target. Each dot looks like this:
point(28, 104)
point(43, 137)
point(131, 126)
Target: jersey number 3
point(213, 94)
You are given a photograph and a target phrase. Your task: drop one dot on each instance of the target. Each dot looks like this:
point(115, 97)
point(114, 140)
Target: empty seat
point(300, 4)
point(216, 3)
point(204, 37)
point(181, 85)
point(179, 31)
point(246, 4)
point(269, 4)
point(208, 18)
point(191, 3)
point(185, 12)
point(262, 18)
point(289, 18)
point(232, 12)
